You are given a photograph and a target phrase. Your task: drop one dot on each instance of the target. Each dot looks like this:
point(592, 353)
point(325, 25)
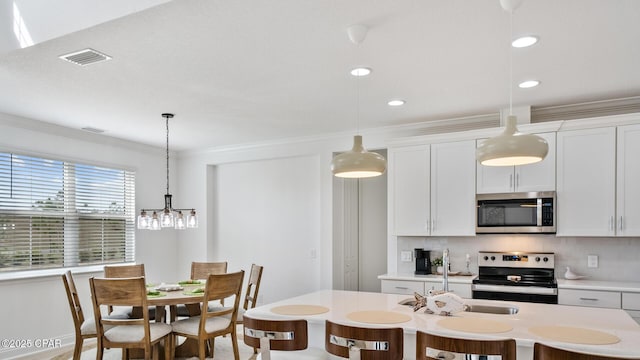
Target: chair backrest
point(74, 300)
point(202, 270)
point(283, 335)
point(545, 352)
point(124, 271)
point(253, 286)
point(430, 346)
point(219, 287)
point(363, 343)
point(119, 292)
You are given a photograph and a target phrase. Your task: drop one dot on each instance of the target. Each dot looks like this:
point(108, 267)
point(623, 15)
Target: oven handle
point(515, 289)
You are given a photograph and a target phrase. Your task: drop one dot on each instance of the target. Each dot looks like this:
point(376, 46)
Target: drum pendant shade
point(358, 162)
point(512, 148)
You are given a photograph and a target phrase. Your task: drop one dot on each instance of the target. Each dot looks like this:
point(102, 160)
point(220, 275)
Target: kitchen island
point(340, 305)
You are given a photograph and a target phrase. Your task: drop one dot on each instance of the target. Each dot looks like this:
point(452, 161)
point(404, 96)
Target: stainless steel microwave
point(516, 213)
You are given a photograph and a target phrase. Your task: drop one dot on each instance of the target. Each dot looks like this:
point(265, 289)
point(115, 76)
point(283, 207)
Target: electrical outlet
point(406, 256)
point(592, 261)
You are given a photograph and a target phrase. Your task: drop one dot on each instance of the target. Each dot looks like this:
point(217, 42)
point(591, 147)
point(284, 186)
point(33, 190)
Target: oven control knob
point(486, 258)
point(538, 258)
point(493, 258)
point(545, 259)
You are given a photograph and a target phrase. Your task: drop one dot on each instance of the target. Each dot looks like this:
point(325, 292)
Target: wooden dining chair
point(251, 294)
point(353, 342)
point(280, 339)
point(429, 346)
point(202, 270)
point(127, 271)
point(546, 352)
point(127, 333)
point(215, 322)
point(199, 271)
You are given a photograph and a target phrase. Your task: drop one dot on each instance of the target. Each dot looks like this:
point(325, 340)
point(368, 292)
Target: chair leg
point(168, 344)
point(201, 349)
point(99, 352)
point(77, 350)
point(212, 346)
point(234, 342)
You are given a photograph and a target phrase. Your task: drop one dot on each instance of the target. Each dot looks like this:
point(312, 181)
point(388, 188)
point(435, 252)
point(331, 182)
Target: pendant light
point(358, 162)
point(168, 216)
point(511, 147)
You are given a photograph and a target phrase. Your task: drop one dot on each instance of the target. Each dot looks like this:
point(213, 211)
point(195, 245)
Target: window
point(57, 214)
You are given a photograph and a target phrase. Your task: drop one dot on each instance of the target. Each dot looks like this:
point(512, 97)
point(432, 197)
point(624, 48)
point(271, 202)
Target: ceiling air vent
point(85, 57)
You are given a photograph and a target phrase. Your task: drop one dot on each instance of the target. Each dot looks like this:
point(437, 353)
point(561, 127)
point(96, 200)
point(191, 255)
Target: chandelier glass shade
point(167, 217)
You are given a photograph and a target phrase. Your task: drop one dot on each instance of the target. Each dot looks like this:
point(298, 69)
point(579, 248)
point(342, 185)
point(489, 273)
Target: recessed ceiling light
point(529, 84)
point(524, 41)
point(363, 71)
point(397, 102)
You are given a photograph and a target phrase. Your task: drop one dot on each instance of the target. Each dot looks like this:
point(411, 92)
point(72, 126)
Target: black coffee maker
point(423, 262)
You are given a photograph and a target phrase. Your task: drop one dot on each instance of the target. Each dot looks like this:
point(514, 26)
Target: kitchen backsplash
point(617, 257)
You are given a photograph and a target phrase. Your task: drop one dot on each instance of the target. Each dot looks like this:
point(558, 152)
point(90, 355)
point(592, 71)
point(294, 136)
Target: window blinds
point(60, 214)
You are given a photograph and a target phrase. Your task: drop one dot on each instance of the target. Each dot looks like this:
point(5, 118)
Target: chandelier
point(167, 217)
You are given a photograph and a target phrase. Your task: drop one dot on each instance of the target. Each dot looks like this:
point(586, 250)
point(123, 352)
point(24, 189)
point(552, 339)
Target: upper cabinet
point(540, 176)
point(409, 185)
point(628, 181)
point(586, 182)
point(432, 189)
point(452, 189)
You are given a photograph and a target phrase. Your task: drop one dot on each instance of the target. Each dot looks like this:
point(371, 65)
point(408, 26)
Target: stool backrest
point(353, 342)
point(430, 346)
point(545, 352)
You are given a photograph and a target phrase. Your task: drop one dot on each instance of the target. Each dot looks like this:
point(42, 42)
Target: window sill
point(36, 274)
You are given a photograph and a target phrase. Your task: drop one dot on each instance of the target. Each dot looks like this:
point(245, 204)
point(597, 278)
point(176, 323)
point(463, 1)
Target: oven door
point(533, 294)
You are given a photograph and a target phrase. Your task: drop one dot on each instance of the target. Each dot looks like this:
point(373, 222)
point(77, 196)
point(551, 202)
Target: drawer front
point(631, 301)
point(402, 287)
point(603, 299)
point(462, 290)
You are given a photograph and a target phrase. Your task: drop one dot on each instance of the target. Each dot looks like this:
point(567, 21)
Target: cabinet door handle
point(433, 225)
point(428, 225)
point(611, 226)
point(511, 182)
point(588, 299)
point(517, 180)
point(620, 224)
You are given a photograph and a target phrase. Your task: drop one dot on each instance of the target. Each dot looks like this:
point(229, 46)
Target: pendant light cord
point(167, 126)
point(510, 63)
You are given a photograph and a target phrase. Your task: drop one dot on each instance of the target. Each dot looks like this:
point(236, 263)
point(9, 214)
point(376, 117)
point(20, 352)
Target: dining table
point(601, 331)
point(188, 293)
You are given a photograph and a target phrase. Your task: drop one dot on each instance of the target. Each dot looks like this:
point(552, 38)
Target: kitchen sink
point(486, 309)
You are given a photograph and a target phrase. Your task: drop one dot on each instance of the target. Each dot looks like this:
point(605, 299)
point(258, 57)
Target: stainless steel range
point(516, 276)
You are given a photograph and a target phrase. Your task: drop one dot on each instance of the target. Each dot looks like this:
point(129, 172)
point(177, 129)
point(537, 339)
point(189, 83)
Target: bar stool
point(280, 339)
point(430, 346)
point(357, 343)
point(546, 352)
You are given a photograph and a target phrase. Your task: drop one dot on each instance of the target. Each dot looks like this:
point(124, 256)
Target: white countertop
point(459, 279)
point(585, 284)
point(341, 303)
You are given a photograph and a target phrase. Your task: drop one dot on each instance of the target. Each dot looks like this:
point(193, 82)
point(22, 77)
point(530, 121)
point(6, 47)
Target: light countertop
point(585, 284)
point(456, 279)
point(341, 303)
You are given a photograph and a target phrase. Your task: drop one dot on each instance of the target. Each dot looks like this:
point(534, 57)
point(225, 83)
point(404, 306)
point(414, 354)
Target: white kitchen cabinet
point(453, 189)
point(628, 181)
point(586, 166)
point(409, 182)
point(432, 189)
point(591, 298)
point(540, 176)
point(462, 290)
point(402, 287)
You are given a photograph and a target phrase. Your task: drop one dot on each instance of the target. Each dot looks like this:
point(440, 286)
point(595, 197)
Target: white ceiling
point(247, 71)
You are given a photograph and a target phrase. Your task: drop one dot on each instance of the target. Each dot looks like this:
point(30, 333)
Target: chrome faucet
point(445, 270)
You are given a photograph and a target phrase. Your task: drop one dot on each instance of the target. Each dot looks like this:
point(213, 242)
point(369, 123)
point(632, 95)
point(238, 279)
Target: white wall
point(37, 308)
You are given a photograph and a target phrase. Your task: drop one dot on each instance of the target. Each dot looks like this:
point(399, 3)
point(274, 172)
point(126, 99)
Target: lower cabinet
point(592, 298)
point(402, 287)
point(407, 287)
point(631, 304)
